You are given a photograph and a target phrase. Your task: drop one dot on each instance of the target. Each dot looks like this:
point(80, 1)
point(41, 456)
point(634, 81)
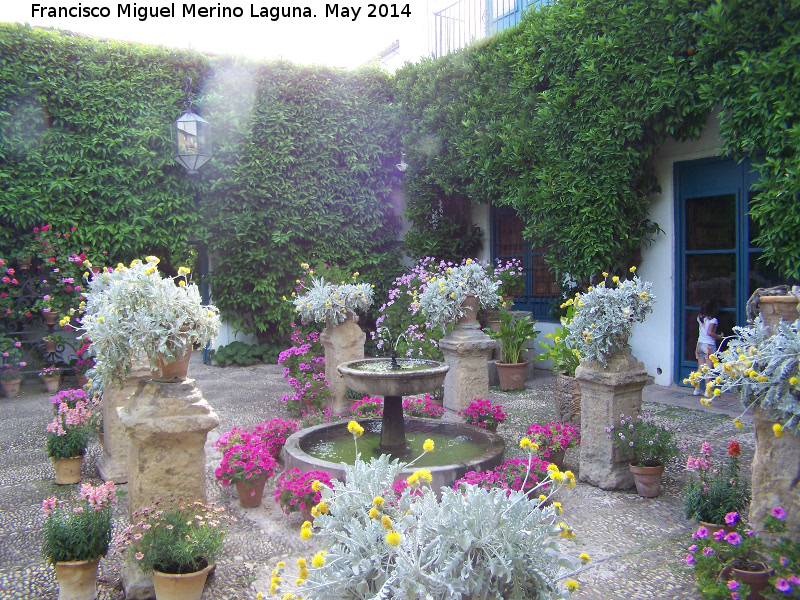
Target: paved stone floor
point(637, 545)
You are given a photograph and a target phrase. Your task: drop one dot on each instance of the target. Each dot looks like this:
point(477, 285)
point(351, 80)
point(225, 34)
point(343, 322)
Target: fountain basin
point(374, 377)
point(488, 448)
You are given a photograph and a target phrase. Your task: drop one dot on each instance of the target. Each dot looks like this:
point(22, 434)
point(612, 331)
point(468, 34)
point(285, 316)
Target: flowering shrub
point(422, 407)
point(50, 372)
point(175, 538)
point(329, 302)
point(497, 544)
point(652, 443)
point(554, 436)
point(304, 370)
point(604, 316)
point(367, 408)
point(762, 368)
point(78, 529)
point(297, 491)
point(483, 413)
point(446, 290)
point(402, 323)
point(317, 417)
point(69, 431)
point(718, 490)
point(509, 276)
point(245, 457)
point(513, 475)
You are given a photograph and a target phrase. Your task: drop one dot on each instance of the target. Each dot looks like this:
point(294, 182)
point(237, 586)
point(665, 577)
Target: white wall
point(653, 341)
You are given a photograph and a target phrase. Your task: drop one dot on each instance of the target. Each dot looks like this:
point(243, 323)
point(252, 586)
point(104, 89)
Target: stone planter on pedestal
point(343, 343)
point(466, 350)
point(113, 464)
point(606, 393)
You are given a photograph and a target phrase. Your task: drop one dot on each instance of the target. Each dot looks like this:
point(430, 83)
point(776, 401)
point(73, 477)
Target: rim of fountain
point(437, 368)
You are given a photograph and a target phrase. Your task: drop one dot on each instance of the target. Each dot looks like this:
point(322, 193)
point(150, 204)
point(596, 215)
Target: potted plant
point(330, 300)
point(51, 376)
point(514, 334)
point(454, 293)
point(564, 359)
point(247, 463)
point(483, 413)
point(67, 437)
point(718, 489)
point(423, 407)
point(299, 492)
point(511, 278)
point(275, 432)
point(85, 362)
point(651, 443)
point(304, 370)
point(10, 364)
point(178, 542)
point(51, 341)
point(133, 310)
point(76, 535)
point(47, 305)
point(553, 440)
point(367, 408)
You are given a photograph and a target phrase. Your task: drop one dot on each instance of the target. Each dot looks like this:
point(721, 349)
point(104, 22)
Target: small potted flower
point(67, 437)
point(51, 376)
point(247, 463)
point(51, 342)
point(299, 492)
point(424, 408)
point(175, 541)
point(651, 443)
point(275, 432)
point(483, 414)
point(10, 364)
point(718, 489)
point(367, 408)
point(77, 533)
point(511, 278)
point(514, 334)
point(554, 439)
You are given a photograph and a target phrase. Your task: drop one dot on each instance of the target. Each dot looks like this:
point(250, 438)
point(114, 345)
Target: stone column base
point(466, 350)
point(343, 343)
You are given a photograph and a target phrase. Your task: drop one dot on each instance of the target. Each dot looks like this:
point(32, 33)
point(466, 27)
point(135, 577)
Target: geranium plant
point(605, 314)
point(553, 437)
point(79, 528)
point(10, 371)
point(367, 408)
point(297, 491)
point(69, 432)
point(245, 458)
point(175, 537)
point(423, 407)
point(483, 413)
point(563, 357)
point(447, 289)
point(651, 442)
point(718, 489)
point(330, 301)
point(304, 370)
point(762, 369)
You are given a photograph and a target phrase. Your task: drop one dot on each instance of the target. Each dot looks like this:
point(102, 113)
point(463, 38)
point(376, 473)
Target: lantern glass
point(191, 141)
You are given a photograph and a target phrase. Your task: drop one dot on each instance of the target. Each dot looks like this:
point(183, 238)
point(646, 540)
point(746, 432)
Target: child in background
point(707, 338)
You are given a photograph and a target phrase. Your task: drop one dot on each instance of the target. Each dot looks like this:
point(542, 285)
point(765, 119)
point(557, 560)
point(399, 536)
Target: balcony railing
point(457, 25)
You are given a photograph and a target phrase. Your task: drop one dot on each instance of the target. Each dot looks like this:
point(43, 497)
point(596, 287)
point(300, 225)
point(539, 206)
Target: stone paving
point(637, 545)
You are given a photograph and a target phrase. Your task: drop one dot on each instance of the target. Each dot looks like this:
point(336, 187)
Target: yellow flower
point(632, 269)
point(86, 275)
point(306, 525)
point(428, 446)
point(423, 474)
point(303, 573)
point(259, 596)
point(542, 497)
point(181, 283)
point(150, 270)
point(386, 522)
point(717, 392)
point(318, 561)
point(374, 513)
point(273, 589)
point(572, 585)
point(316, 485)
point(100, 319)
point(354, 428)
point(558, 506)
point(525, 444)
point(412, 480)
point(153, 259)
point(738, 423)
point(280, 564)
point(289, 596)
point(584, 557)
point(777, 429)
point(793, 380)
point(356, 274)
point(378, 501)
point(304, 266)
point(605, 274)
point(301, 562)
point(284, 298)
point(322, 508)
point(552, 467)
point(305, 534)
point(393, 538)
point(615, 279)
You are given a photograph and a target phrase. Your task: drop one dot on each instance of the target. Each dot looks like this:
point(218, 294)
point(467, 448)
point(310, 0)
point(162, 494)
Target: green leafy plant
point(651, 442)
point(562, 356)
point(239, 353)
point(718, 489)
point(69, 432)
point(80, 528)
point(515, 332)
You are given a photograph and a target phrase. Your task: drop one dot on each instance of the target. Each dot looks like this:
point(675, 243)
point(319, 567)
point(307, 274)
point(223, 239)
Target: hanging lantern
point(191, 140)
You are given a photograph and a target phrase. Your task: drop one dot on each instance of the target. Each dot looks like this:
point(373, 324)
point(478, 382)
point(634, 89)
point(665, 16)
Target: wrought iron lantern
point(191, 137)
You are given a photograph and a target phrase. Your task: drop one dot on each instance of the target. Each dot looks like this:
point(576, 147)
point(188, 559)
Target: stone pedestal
point(167, 425)
point(343, 343)
point(776, 473)
point(466, 351)
point(113, 464)
point(606, 393)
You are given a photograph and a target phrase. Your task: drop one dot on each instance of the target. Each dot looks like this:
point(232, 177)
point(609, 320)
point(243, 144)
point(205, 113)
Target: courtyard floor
point(637, 545)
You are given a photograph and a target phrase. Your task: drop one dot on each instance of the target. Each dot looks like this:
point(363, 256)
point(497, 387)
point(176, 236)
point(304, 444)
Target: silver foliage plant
point(420, 546)
point(605, 314)
point(445, 291)
point(133, 310)
point(329, 303)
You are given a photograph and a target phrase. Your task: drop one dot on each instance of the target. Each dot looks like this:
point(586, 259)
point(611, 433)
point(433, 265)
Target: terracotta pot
point(77, 579)
point(557, 458)
point(470, 307)
point(757, 580)
point(11, 387)
point(250, 492)
point(647, 480)
point(491, 427)
point(50, 345)
point(50, 317)
point(512, 376)
point(52, 384)
point(494, 325)
point(174, 371)
point(96, 269)
point(68, 470)
point(82, 379)
point(776, 308)
point(180, 587)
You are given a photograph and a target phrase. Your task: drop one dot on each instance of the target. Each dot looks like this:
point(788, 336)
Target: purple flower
point(731, 518)
point(708, 551)
point(701, 532)
point(783, 586)
point(733, 585)
point(778, 513)
point(693, 547)
point(690, 559)
point(733, 538)
point(719, 534)
point(734, 596)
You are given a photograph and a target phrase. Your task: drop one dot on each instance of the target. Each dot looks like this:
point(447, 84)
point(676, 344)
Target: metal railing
point(460, 23)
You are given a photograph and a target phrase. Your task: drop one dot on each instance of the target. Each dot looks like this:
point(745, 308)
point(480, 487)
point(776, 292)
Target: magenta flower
point(690, 559)
point(719, 535)
point(733, 585)
point(782, 585)
point(733, 538)
point(731, 518)
point(701, 532)
point(778, 513)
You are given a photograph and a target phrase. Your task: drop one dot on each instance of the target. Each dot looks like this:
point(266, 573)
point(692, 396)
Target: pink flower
point(690, 559)
point(733, 585)
point(733, 538)
point(731, 518)
point(778, 513)
point(782, 585)
point(701, 532)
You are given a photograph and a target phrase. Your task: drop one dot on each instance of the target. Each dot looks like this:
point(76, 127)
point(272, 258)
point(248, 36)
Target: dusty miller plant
point(420, 546)
point(605, 314)
point(326, 302)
